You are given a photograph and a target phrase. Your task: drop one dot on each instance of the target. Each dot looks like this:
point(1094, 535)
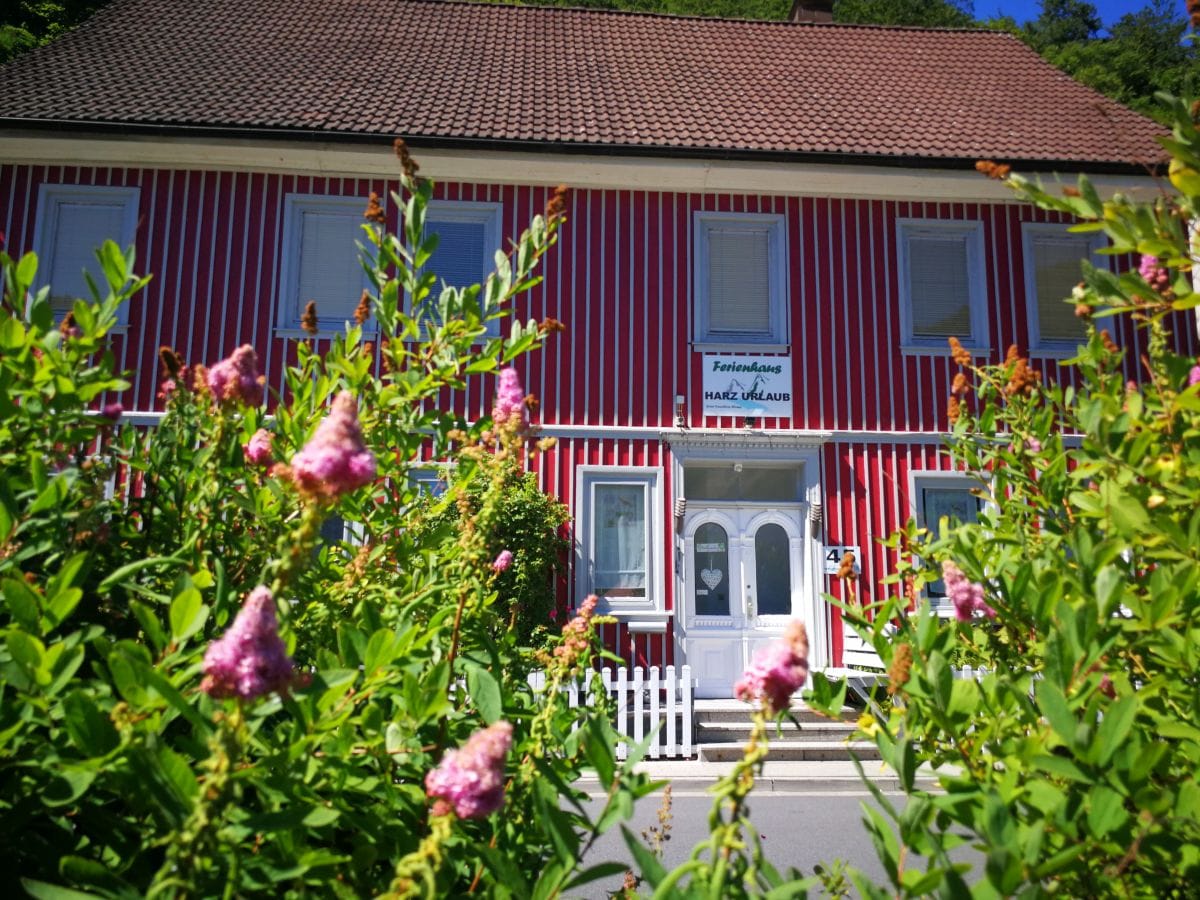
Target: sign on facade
point(754, 386)
point(832, 555)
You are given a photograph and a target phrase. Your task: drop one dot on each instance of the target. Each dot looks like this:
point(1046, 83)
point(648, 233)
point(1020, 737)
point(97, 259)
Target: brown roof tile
point(475, 72)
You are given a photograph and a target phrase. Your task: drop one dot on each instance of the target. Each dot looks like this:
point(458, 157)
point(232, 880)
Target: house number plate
point(833, 554)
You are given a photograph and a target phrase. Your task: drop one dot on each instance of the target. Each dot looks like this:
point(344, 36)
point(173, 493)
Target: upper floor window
point(72, 222)
point(942, 284)
point(1052, 269)
point(468, 238)
point(619, 521)
point(319, 260)
point(740, 282)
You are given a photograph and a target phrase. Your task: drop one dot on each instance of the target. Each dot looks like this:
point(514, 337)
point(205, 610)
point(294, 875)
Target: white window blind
point(1056, 271)
point(939, 286)
point(739, 285)
point(460, 254)
point(79, 229)
point(72, 222)
point(329, 270)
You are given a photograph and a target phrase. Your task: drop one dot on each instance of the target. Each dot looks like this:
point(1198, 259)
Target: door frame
point(750, 448)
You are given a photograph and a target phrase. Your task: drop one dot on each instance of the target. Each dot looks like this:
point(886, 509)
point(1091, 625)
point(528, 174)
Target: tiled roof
point(478, 72)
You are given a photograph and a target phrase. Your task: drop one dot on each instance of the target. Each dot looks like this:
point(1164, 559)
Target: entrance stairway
point(723, 728)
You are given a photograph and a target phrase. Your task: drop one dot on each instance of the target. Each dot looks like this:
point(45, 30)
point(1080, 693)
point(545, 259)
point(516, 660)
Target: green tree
point(926, 13)
point(26, 24)
point(1063, 22)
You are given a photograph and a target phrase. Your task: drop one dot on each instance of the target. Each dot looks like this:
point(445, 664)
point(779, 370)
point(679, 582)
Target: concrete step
point(709, 732)
point(811, 751)
point(737, 711)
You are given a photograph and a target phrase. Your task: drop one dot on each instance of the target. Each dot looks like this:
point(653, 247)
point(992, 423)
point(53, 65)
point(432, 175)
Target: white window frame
point(290, 305)
point(775, 226)
point(650, 479)
point(971, 231)
point(918, 483)
point(52, 196)
point(1030, 231)
point(490, 215)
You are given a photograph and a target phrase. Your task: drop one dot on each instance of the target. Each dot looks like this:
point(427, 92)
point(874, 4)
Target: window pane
point(458, 259)
point(939, 287)
point(755, 483)
point(329, 270)
point(710, 483)
point(1056, 261)
point(79, 229)
point(619, 542)
point(772, 571)
point(957, 504)
point(739, 284)
point(711, 589)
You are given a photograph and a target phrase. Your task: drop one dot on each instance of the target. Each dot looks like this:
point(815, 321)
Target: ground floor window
point(946, 496)
point(619, 558)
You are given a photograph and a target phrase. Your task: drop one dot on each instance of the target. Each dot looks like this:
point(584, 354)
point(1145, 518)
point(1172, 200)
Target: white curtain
point(619, 544)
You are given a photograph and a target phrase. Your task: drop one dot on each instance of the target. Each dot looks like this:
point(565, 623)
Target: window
point(619, 554)
point(1052, 269)
point(468, 238)
point(936, 496)
point(739, 276)
point(72, 222)
point(941, 284)
point(320, 260)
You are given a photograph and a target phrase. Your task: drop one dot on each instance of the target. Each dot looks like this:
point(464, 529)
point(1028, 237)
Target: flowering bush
point(203, 696)
point(1073, 765)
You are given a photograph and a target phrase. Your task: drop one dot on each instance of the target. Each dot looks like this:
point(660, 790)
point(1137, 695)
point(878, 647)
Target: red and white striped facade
point(866, 412)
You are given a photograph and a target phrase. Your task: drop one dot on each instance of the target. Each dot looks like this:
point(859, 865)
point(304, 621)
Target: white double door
point(746, 573)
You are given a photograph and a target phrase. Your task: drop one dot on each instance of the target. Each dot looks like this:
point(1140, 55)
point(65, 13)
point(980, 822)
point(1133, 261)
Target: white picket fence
point(646, 699)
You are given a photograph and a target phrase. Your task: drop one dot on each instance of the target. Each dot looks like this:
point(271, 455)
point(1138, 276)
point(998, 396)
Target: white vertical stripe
point(602, 391)
point(863, 387)
point(146, 365)
point(183, 240)
point(283, 185)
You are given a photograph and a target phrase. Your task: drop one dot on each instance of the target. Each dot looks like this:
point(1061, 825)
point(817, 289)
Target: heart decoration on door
point(712, 577)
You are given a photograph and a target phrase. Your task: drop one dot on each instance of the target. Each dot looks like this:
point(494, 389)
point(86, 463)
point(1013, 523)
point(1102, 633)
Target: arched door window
point(712, 570)
point(772, 570)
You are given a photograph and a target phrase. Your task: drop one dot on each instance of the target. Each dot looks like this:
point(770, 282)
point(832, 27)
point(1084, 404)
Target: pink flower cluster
point(336, 460)
point(258, 449)
point(777, 671)
point(967, 596)
point(250, 659)
point(1156, 276)
point(510, 399)
point(503, 561)
point(471, 779)
point(1194, 376)
point(236, 378)
point(112, 412)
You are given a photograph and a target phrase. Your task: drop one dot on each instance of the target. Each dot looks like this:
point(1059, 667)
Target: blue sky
point(1023, 10)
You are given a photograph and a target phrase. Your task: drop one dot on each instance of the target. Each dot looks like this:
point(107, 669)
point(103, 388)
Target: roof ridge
point(682, 17)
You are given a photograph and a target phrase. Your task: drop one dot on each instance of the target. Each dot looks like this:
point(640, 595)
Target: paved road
point(799, 828)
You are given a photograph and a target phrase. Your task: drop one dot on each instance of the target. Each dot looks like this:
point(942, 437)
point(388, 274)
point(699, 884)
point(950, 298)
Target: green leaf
point(394, 738)
point(1107, 811)
point(648, 864)
point(40, 890)
point(1114, 727)
point(595, 873)
point(1054, 707)
point(188, 614)
point(23, 604)
point(29, 653)
point(321, 815)
point(485, 692)
point(68, 785)
point(90, 730)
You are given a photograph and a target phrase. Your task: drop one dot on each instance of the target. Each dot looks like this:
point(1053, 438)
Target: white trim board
point(514, 167)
